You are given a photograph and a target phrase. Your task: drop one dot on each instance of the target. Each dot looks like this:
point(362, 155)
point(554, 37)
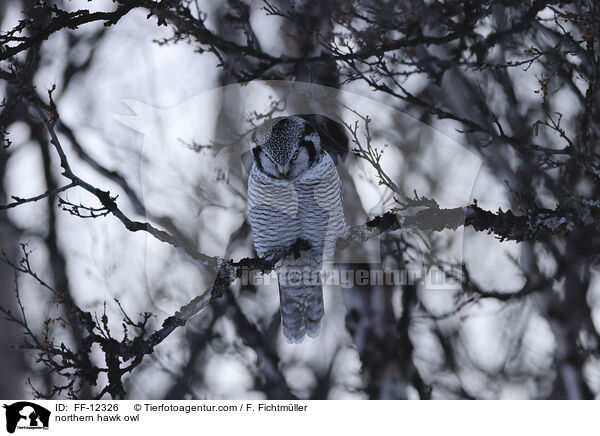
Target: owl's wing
point(323, 211)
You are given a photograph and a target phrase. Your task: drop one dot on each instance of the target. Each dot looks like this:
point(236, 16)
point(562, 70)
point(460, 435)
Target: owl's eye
point(295, 156)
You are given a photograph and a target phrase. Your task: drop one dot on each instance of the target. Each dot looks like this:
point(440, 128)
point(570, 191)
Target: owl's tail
point(302, 311)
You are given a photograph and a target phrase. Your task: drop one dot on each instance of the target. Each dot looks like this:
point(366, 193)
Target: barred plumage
point(305, 206)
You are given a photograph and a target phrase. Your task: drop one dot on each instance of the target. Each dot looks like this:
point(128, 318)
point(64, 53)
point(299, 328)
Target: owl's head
point(286, 148)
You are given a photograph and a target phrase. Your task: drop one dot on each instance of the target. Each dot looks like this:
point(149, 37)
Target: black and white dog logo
point(26, 415)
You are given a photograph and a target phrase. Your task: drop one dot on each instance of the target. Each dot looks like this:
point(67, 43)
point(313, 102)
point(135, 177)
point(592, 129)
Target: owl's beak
point(283, 170)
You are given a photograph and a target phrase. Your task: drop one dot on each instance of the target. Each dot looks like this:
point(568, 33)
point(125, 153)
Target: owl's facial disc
point(301, 160)
point(292, 148)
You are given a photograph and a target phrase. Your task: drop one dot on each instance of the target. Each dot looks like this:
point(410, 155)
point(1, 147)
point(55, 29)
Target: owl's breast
point(273, 213)
point(308, 207)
